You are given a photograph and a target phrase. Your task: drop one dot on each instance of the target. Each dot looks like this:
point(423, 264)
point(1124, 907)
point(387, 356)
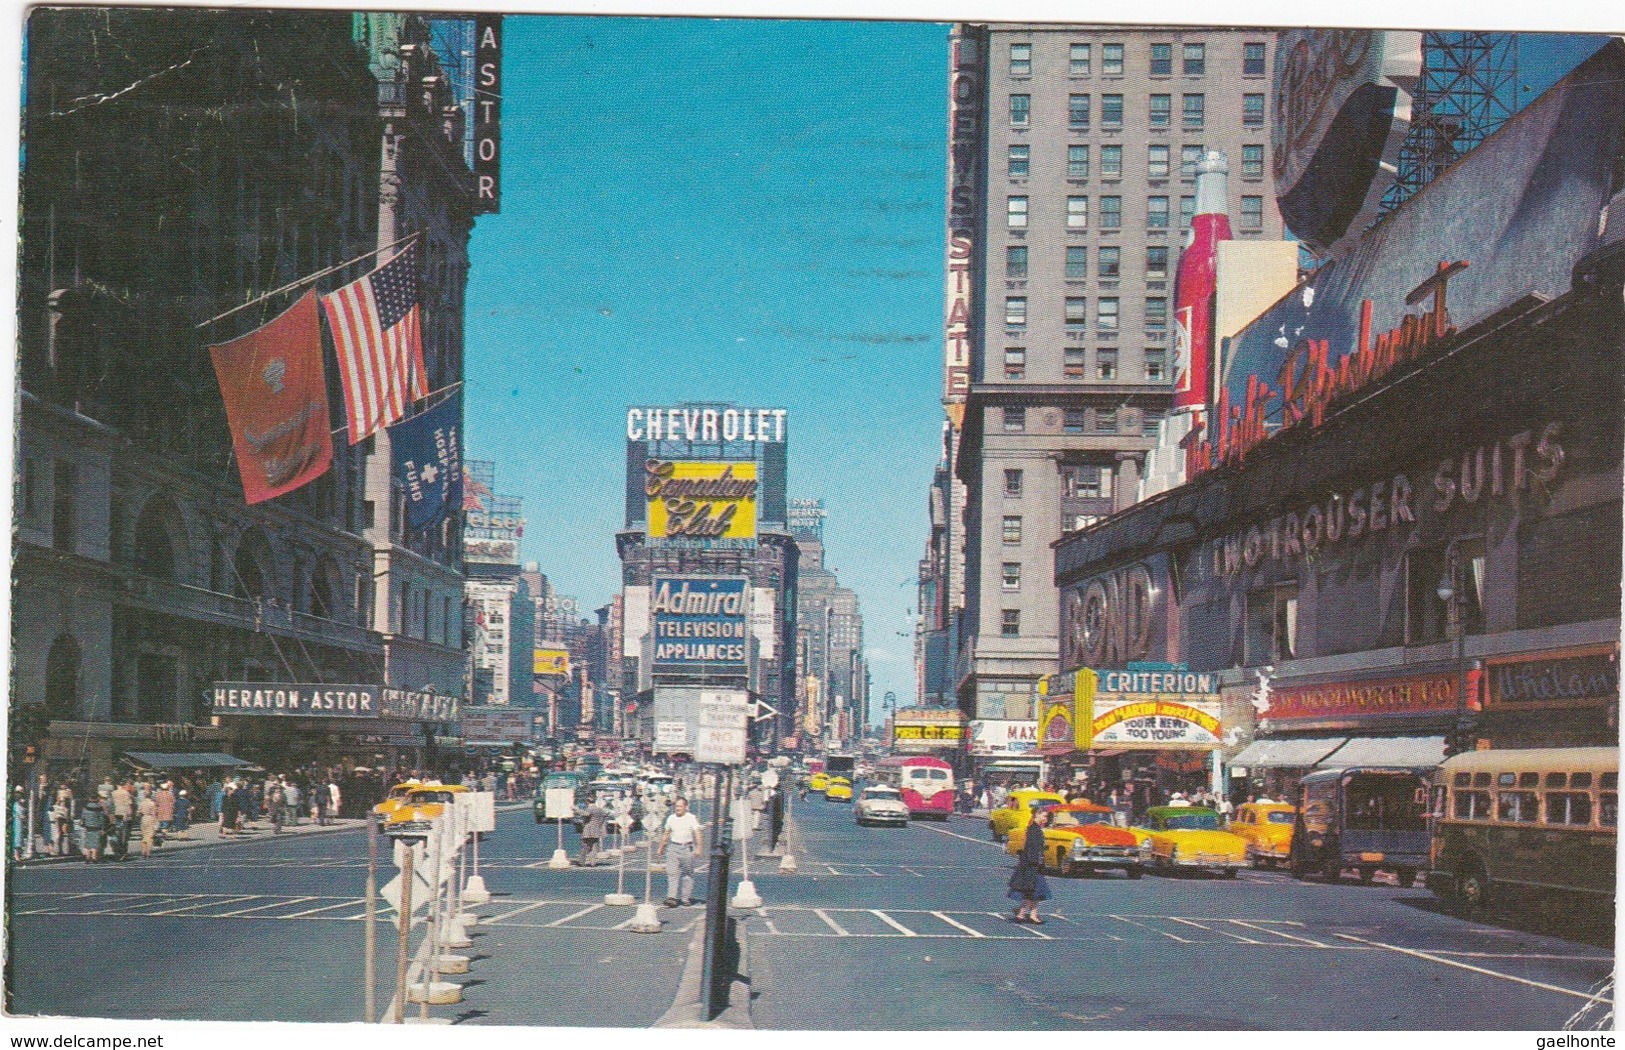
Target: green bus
point(1539, 821)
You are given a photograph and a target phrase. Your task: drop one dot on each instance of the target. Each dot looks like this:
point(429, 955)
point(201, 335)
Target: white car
point(880, 805)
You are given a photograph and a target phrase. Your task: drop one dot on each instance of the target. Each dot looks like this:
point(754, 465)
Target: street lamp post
point(1450, 593)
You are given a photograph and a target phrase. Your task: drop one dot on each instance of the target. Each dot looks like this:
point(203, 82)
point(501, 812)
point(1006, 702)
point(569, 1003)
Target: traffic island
point(688, 1009)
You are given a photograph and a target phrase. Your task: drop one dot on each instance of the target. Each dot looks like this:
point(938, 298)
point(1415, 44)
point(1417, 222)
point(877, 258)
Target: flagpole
point(433, 393)
point(306, 280)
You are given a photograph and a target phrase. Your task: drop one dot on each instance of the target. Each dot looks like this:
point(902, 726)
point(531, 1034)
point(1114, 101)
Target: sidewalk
point(208, 834)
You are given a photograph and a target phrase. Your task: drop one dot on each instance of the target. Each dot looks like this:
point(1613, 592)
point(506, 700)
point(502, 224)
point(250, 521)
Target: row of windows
point(1075, 312)
point(1077, 482)
point(1017, 212)
point(1523, 802)
point(1158, 160)
point(1109, 262)
point(1192, 60)
point(1159, 111)
point(1076, 421)
point(1075, 364)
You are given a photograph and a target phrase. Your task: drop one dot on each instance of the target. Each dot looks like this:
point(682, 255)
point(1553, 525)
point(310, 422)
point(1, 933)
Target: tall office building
point(833, 678)
point(1072, 181)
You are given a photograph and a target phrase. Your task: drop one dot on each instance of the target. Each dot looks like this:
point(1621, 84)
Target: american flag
point(377, 331)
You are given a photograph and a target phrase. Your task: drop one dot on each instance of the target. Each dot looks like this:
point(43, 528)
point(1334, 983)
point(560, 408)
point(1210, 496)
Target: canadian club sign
point(702, 500)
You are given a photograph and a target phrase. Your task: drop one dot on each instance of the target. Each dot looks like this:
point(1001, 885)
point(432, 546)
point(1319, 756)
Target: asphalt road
point(906, 928)
point(881, 928)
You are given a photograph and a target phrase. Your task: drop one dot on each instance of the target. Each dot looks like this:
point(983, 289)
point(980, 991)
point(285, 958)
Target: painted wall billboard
point(551, 663)
point(700, 625)
point(1510, 220)
point(700, 499)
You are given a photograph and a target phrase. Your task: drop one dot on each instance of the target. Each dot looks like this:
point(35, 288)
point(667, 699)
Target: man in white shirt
point(685, 836)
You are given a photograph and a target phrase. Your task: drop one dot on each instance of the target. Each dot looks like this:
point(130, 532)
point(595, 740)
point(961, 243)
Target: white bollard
point(647, 920)
point(620, 898)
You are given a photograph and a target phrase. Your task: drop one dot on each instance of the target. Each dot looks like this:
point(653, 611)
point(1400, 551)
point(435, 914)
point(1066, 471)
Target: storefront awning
point(184, 760)
point(1419, 752)
point(1297, 754)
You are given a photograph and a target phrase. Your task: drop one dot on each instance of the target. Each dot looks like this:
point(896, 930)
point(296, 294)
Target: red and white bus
point(927, 784)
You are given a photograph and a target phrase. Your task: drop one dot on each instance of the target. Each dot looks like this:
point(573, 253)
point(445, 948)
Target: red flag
point(276, 402)
point(376, 326)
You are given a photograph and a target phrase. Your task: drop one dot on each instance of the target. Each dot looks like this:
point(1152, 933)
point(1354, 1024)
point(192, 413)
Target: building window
point(1015, 420)
point(1077, 162)
point(1156, 262)
point(1162, 61)
point(1252, 60)
point(1111, 213)
point(1155, 366)
point(1111, 111)
point(1195, 59)
point(1015, 310)
point(1077, 311)
point(1012, 528)
point(1194, 111)
point(1110, 262)
point(1156, 314)
point(1072, 421)
point(1252, 162)
point(1015, 362)
point(1011, 576)
point(1073, 364)
point(1252, 213)
point(1106, 367)
point(1077, 213)
point(1021, 60)
point(1161, 108)
point(1105, 420)
point(1077, 112)
point(1016, 209)
point(1272, 625)
point(1017, 163)
point(1111, 162)
point(64, 505)
point(1077, 262)
point(1188, 158)
point(1111, 59)
point(1020, 110)
point(1010, 625)
point(1150, 418)
point(1156, 161)
point(1427, 618)
point(1012, 483)
point(1078, 60)
point(1015, 261)
point(1107, 317)
point(1252, 110)
point(1089, 483)
point(1156, 213)
point(1187, 211)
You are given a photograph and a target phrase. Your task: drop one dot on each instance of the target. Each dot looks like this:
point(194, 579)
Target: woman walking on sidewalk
point(1027, 882)
point(148, 808)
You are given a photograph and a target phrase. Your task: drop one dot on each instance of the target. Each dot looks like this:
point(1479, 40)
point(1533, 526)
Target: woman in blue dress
point(1027, 882)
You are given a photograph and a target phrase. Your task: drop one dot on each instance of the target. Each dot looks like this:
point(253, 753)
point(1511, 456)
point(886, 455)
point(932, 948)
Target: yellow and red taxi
point(1267, 829)
point(1016, 811)
point(838, 789)
point(1081, 839)
point(414, 813)
point(1191, 837)
point(818, 782)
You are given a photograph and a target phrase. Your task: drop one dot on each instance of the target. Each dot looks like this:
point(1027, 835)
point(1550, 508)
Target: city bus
point(1534, 822)
point(927, 784)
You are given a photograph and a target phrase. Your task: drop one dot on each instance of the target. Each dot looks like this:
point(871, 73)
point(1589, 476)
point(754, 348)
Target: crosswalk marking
point(831, 922)
point(516, 911)
point(960, 925)
point(1022, 926)
point(588, 910)
point(1221, 933)
point(893, 923)
point(911, 871)
point(1277, 933)
point(213, 901)
point(346, 903)
point(262, 907)
point(1153, 929)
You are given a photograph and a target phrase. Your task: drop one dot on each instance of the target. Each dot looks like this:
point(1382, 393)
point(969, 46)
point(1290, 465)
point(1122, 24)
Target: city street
point(875, 922)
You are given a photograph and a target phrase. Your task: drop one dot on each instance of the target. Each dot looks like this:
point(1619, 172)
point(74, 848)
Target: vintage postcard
point(729, 524)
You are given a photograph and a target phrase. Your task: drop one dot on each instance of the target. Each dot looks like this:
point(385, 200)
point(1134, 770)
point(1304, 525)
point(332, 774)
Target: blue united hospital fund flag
point(428, 461)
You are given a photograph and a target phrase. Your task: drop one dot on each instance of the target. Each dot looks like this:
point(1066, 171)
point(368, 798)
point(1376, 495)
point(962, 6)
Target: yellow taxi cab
point(818, 782)
point(1190, 837)
point(1016, 811)
point(414, 813)
point(1082, 838)
point(839, 789)
point(1267, 829)
point(396, 796)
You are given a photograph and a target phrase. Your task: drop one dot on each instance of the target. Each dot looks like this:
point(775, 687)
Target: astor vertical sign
point(487, 113)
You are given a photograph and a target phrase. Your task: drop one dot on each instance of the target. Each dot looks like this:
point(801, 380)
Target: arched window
point(254, 567)
point(62, 678)
point(158, 539)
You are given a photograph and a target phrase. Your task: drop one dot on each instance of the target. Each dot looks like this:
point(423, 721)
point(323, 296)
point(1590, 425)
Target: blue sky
point(695, 209)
